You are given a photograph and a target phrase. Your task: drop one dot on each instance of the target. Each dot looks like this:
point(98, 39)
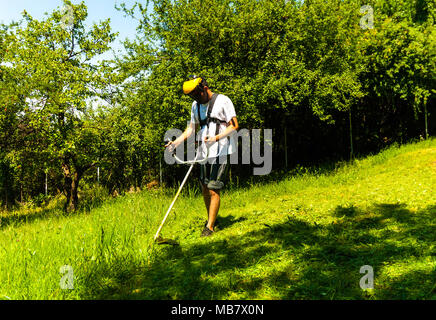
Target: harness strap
point(205, 122)
point(209, 119)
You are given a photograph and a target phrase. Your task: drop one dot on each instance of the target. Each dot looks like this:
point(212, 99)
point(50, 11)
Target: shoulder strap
point(211, 103)
point(199, 117)
point(209, 118)
point(209, 111)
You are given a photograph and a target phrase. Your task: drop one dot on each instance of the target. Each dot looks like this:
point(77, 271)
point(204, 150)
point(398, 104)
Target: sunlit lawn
point(303, 237)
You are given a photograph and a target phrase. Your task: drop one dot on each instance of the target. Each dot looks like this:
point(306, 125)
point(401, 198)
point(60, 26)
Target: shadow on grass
point(15, 219)
point(31, 215)
point(293, 259)
point(227, 221)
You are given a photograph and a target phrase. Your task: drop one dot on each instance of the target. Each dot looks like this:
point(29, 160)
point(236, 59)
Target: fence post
point(286, 150)
point(46, 182)
point(160, 171)
point(426, 120)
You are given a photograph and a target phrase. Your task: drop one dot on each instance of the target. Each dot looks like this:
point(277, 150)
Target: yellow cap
point(190, 85)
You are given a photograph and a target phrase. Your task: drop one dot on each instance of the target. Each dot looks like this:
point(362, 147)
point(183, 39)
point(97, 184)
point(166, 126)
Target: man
point(215, 116)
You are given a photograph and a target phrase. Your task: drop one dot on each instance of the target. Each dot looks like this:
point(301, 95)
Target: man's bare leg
point(206, 197)
point(212, 201)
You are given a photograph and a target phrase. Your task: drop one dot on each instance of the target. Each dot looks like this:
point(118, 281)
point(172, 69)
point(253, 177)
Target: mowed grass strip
point(303, 237)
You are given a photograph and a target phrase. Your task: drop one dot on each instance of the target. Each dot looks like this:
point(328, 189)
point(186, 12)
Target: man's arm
point(185, 135)
point(232, 126)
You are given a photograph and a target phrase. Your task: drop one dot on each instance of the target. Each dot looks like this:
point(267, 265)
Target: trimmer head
point(160, 240)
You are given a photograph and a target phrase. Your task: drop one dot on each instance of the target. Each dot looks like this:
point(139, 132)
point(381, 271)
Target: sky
point(98, 10)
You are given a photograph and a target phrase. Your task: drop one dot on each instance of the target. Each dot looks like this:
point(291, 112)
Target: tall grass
point(303, 237)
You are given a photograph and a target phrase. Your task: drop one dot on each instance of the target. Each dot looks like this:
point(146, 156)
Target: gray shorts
point(213, 174)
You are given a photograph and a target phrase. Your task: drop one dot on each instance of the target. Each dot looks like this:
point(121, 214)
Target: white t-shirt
point(223, 109)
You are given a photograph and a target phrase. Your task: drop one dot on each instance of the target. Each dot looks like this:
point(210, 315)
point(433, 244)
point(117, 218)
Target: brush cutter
point(157, 237)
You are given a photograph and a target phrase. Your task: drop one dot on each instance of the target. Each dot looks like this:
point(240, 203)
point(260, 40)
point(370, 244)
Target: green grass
point(303, 237)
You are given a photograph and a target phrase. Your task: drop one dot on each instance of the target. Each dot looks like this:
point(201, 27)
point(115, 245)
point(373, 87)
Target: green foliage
point(53, 73)
point(266, 56)
point(281, 62)
point(400, 63)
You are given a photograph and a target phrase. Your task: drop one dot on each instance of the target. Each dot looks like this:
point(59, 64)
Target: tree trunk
point(72, 180)
point(6, 199)
point(67, 183)
point(5, 172)
point(286, 148)
point(74, 191)
point(21, 184)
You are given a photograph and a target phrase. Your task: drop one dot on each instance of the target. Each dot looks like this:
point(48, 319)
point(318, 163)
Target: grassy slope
point(305, 237)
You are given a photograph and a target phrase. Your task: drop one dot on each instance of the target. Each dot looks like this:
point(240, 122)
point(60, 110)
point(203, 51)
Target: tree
point(53, 65)
point(398, 73)
point(276, 60)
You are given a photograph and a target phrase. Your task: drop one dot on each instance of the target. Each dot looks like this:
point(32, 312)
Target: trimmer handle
point(168, 140)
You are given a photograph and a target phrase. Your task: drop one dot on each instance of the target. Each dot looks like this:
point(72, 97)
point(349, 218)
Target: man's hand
point(171, 146)
point(210, 140)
